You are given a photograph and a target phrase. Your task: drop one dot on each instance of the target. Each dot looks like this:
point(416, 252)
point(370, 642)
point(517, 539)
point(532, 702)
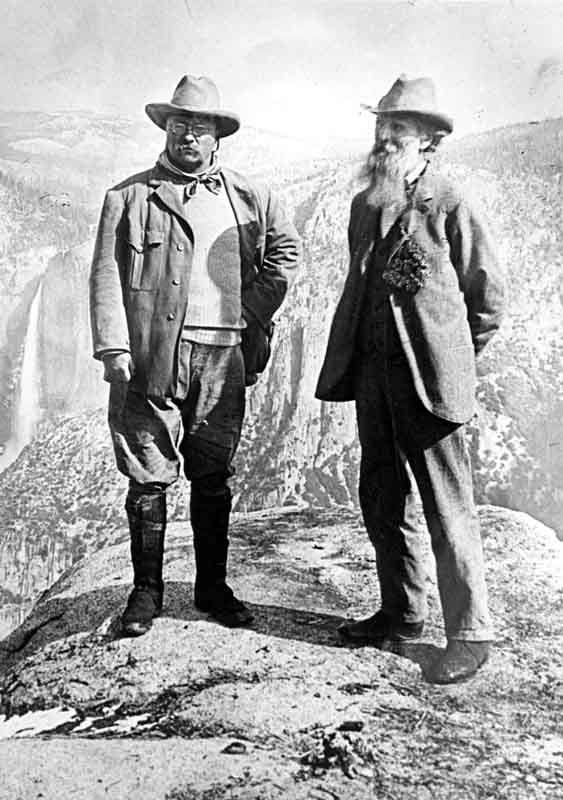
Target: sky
point(296, 67)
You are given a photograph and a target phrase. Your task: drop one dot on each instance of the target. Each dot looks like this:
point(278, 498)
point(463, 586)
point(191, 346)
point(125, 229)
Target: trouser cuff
point(472, 635)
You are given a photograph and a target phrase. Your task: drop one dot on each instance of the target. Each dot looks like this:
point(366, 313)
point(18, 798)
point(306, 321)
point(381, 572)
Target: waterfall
point(26, 409)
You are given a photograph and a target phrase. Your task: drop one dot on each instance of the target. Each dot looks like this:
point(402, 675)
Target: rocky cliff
point(193, 711)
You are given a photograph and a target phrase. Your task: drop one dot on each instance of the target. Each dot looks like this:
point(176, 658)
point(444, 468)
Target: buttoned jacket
point(139, 279)
point(447, 322)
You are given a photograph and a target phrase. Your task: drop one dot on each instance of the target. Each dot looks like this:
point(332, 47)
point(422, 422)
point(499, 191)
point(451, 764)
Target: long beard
point(386, 173)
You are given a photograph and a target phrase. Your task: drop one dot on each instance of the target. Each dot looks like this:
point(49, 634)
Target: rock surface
point(284, 709)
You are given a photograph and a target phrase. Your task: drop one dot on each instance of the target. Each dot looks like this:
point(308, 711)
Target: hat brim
point(227, 123)
point(440, 122)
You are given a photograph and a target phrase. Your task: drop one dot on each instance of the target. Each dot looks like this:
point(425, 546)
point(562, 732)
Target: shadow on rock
point(421, 653)
point(97, 613)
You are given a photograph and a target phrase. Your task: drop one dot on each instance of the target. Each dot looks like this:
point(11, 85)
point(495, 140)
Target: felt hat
point(195, 95)
point(416, 98)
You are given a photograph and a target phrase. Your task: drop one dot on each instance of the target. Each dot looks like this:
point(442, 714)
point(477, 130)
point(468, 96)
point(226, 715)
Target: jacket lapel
point(421, 201)
point(366, 227)
point(169, 196)
point(247, 213)
point(408, 221)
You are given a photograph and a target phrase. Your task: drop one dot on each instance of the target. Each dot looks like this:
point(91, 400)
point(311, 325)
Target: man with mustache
point(191, 262)
point(423, 296)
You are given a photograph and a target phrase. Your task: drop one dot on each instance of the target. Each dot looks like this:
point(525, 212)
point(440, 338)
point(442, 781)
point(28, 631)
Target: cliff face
point(70, 377)
point(63, 496)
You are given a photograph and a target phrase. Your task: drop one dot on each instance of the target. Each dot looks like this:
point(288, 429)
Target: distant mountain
point(532, 148)
point(85, 153)
point(63, 497)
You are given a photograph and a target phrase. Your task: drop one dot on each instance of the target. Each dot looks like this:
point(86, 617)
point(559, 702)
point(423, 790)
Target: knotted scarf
point(210, 178)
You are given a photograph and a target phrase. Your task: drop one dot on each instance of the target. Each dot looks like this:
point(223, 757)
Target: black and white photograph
point(281, 400)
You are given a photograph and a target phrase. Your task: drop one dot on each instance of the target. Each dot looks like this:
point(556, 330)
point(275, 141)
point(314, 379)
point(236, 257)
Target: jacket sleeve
point(480, 274)
point(107, 312)
point(355, 211)
point(282, 251)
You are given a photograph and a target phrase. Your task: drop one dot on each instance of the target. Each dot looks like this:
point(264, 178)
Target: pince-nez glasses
point(197, 129)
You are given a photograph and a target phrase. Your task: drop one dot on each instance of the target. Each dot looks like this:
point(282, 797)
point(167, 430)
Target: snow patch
point(35, 722)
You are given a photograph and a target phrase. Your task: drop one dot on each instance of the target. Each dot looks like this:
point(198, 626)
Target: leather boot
point(209, 517)
point(147, 525)
point(380, 630)
point(460, 661)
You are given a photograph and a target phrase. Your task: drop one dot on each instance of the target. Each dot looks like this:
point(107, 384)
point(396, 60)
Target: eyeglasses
point(195, 128)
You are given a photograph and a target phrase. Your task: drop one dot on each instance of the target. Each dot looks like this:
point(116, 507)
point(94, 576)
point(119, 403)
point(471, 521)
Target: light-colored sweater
point(214, 313)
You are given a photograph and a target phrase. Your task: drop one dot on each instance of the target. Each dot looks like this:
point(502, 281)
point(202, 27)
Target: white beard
point(387, 174)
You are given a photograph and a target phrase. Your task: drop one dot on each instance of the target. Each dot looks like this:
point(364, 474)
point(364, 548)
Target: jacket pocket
point(146, 253)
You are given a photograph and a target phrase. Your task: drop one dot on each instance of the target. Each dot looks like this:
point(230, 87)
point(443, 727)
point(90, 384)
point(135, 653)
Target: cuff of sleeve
point(101, 354)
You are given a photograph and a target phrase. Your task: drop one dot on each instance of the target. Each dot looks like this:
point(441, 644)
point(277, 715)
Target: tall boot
point(209, 516)
point(147, 524)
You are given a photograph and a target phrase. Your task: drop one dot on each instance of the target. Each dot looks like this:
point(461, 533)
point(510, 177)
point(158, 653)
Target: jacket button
point(170, 317)
point(175, 282)
point(180, 246)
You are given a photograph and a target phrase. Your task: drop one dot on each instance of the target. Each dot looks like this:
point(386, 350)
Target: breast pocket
point(146, 259)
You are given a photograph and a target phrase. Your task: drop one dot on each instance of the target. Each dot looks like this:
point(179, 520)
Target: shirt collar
point(412, 176)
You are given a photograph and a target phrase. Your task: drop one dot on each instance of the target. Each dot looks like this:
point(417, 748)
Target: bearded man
point(423, 297)
point(191, 262)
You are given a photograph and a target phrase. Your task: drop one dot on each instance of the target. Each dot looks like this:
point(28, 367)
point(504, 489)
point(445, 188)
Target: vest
point(377, 332)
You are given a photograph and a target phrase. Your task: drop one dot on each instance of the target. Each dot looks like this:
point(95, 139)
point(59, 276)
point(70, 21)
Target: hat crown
point(417, 95)
point(196, 93)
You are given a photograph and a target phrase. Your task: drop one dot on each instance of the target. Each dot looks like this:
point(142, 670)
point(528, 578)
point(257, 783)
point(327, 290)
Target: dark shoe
point(142, 607)
point(460, 661)
point(380, 630)
point(222, 605)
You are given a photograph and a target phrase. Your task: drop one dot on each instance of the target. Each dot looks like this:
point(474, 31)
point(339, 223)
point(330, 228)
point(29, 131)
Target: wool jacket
point(443, 325)
point(141, 267)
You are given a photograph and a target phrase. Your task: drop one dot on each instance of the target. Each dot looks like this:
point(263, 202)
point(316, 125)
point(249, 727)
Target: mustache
point(383, 150)
point(382, 155)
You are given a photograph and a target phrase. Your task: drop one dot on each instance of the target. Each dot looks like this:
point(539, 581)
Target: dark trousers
point(202, 423)
point(400, 438)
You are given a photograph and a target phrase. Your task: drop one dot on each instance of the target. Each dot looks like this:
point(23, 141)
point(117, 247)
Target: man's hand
point(118, 367)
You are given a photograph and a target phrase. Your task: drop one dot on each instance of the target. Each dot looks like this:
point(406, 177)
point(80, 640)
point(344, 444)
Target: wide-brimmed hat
point(199, 96)
point(415, 97)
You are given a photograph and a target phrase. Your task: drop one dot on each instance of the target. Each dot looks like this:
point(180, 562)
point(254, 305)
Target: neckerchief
point(211, 178)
